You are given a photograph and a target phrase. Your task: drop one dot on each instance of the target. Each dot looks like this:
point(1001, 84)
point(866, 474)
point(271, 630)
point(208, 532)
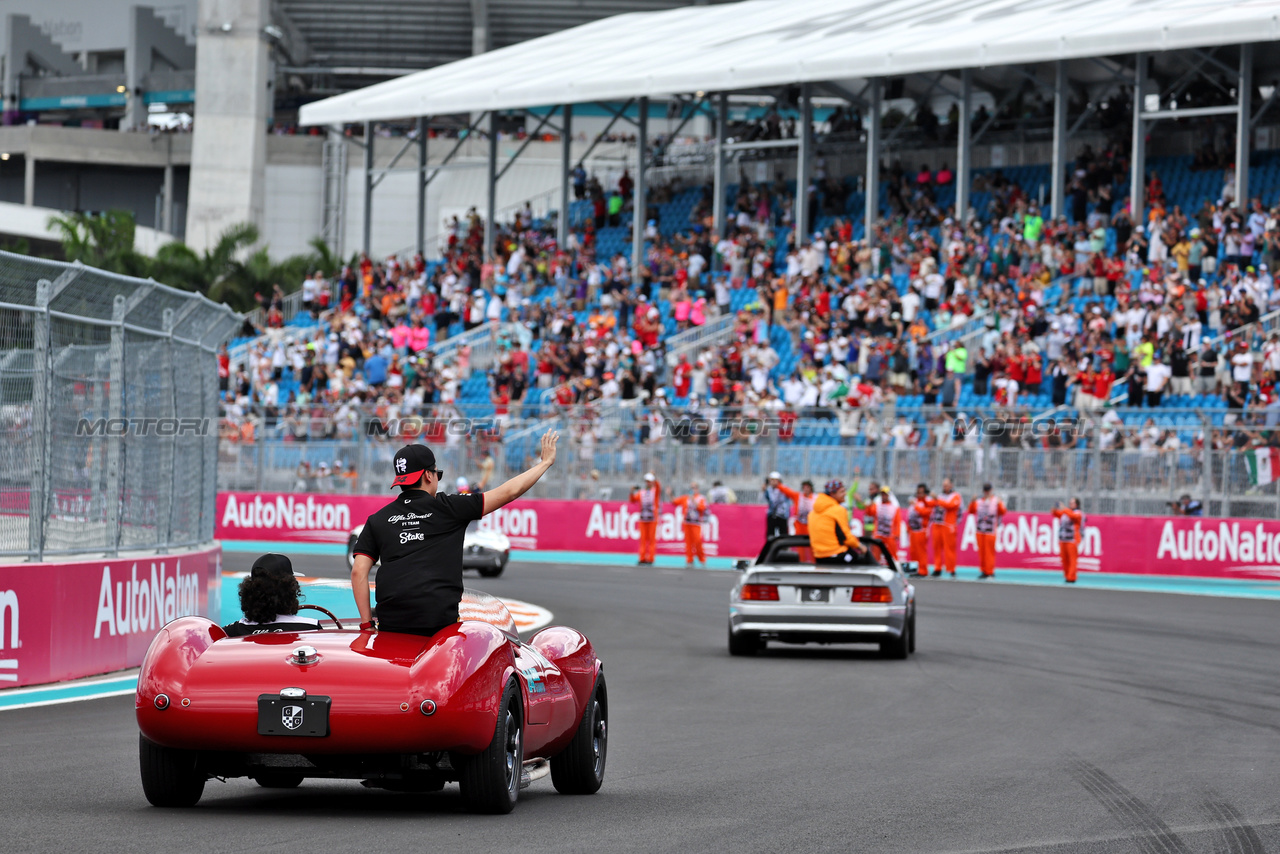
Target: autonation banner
point(66, 620)
point(1226, 548)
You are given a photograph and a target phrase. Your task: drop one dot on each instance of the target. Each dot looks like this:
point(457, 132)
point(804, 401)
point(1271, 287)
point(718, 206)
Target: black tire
point(279, 779)
point(899, 647)
point(351, 552)
point(911, 648)
point(491, 571)
point(170, 778)
point(490, 780)
point(743, 643)
point(579, 768)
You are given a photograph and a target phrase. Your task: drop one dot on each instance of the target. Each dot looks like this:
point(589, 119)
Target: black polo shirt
point(418, 539)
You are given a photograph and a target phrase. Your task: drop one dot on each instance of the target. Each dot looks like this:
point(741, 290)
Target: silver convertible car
point(783, 599)
point(485, 551)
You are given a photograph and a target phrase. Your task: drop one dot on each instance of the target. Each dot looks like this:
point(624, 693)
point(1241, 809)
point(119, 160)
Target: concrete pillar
point(964, 146)
point(566, 168)
point(491, 197)
point(166, 211)
point(229, 145)
point(1244, 89)
point(804, 165)
point(29, 180)
point(1057, 181)
point(1138, 156)
point(421, 241)
point(719, 184)
point(640, 200)
point(366, 240)
point(871, 209)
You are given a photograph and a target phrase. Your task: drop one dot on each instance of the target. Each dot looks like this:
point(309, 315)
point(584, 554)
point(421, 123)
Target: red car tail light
point(760, 592)
point(872, 594)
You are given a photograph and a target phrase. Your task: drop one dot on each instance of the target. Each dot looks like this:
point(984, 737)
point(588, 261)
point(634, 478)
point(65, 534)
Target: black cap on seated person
point(410, 462)
point(272, 565)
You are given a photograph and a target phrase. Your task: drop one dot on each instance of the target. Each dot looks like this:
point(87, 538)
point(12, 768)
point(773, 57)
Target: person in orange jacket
point(918, 529)
point(942, 529)
point(1070, 526)
point(649, 497)
point(888, 521)
point(990, 511)
point(694, 506)
point(803, 507)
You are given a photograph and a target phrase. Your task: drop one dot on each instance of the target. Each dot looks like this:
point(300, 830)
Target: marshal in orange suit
point(649, 497)
point(694, 506)
point(990, 510)
point(1070, 526)
point(918, 529)
point(946, 513)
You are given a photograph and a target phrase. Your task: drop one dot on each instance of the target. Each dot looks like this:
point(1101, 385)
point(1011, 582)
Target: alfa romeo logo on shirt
point(291, 717)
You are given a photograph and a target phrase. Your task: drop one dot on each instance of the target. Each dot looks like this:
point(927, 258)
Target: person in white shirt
point(910, 305)
point(1158, 375)
point(1242, 366)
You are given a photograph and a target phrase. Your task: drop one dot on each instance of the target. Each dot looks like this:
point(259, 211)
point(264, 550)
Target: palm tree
point(101, 240)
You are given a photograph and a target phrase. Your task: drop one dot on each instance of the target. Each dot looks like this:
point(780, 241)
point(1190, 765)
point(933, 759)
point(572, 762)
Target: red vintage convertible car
point(400, 712)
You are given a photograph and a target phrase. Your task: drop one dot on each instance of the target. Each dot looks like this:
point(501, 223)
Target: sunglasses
point(439, 473)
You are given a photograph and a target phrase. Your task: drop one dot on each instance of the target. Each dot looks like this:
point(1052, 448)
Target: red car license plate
point(308, 718)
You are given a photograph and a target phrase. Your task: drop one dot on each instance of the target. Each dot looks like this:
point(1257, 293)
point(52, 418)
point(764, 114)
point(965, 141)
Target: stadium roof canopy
point(761, 43)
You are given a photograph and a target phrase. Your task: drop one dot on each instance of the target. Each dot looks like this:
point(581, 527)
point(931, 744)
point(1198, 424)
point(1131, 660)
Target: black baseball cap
point(986, 487)
point(272, 565)
point(410, 462)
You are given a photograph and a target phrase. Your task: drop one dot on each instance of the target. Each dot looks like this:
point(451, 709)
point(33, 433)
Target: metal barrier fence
point(605, 452)
point(108, 411)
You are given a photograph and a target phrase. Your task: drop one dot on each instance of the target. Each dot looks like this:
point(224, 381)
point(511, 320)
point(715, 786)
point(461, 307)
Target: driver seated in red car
point(269, 598)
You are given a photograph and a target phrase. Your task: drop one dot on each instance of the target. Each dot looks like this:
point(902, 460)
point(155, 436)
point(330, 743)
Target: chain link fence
point(1117, 462)
point(108, 411)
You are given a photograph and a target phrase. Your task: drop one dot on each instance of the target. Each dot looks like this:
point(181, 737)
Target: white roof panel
point(776, 42)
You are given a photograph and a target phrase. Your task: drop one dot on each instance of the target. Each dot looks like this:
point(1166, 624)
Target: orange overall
point(695, 510)
point(803, 506)
point(649, 497)
point(917, 530)
point(989, 512)
point(946, 511)
point(1070, 524)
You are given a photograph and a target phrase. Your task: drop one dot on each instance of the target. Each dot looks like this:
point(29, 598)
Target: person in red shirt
point(1102, 382)
point(1033, 375)
point(649, 497)
point(989, 510)
point(946, 512)
point(683, 381)
point(694, 506)
point(918, 529)
point(1070, 526)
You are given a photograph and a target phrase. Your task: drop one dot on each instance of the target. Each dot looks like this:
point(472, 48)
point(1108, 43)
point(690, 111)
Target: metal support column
point(421, 241)
point(1244, 91)
point(871, 208)
point(1057, 181)
point(366, 244)
point(640, 201)
point(722, 129)
point(38, 498)
point(115, 411)
point(566, 168)
point(964, 145)
point(804, 165)
point(491, 196)
point(29, 181)
point(1138, 154)
point(164, 519)
point(166, 211)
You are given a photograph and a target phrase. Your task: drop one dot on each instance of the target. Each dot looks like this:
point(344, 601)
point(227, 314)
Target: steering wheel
point(324, 611)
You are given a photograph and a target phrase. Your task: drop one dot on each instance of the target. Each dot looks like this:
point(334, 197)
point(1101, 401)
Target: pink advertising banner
point(66, 620)
point(1221, 548)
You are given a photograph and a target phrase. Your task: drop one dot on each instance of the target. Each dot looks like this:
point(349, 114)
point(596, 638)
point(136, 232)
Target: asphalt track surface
point(1030, 719)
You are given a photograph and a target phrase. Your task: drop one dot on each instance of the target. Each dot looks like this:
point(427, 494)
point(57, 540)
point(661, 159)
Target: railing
point(713, 333)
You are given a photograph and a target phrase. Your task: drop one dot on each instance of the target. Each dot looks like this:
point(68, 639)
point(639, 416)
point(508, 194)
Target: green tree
point(101, 240)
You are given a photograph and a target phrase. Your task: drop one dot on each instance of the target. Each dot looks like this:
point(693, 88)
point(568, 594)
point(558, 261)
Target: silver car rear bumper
point(875, 622)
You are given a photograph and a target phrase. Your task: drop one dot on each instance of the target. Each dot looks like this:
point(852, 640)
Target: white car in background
point(487, 552)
